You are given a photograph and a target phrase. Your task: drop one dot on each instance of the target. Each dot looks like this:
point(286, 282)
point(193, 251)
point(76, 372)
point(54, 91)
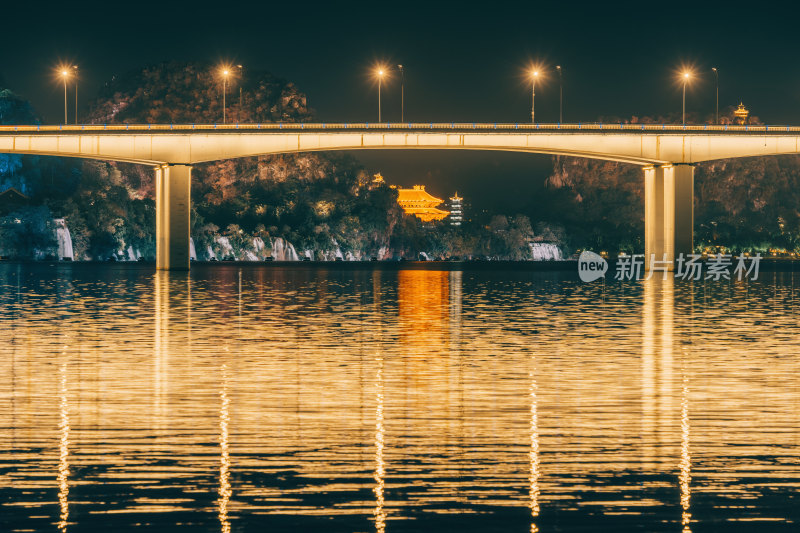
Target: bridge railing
point(404, 126)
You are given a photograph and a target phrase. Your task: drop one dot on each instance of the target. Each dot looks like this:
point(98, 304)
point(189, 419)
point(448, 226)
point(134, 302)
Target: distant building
point(420, 203)
point(377, 182)
point(741, 113)
point(456, 206)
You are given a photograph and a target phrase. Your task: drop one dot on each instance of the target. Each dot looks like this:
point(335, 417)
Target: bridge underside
point(669, 214)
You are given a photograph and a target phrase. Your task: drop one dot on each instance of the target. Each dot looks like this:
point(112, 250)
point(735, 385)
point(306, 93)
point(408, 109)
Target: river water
point(388, 399)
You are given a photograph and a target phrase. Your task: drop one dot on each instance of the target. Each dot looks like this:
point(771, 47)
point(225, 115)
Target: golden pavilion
point(420, 203)
point(741, 114)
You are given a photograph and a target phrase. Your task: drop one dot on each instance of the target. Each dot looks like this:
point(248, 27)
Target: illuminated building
point(456, 206)
point(741, 114)
point(420, 203)
point(377, 182)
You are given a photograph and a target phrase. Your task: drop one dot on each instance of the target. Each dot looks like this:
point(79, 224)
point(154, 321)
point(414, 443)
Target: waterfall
point(336, 253)
point(545, 251)
point(291, 253)
point(284, 251)
point(260, 249)
point(64, 240)
point(192, 250)
point(277, 250)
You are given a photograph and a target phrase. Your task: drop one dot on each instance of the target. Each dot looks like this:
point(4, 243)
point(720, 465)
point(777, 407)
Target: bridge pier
point(668, 211)
point(173, 205)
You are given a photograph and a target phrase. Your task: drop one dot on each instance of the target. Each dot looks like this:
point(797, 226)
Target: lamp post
point(534, 75)
point(560, 96)
point(381, 73)
point(75, 70)
point(225, 74)
point(64, 76)
point(402, 93)
point(716, 87)
point(685, 81)
point(241, 79)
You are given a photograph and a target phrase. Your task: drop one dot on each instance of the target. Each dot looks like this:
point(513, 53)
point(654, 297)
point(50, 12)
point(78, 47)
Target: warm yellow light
point(64, 73)
point(535, 73)
point(225, 72)
point(381, 71)
point(686, 75)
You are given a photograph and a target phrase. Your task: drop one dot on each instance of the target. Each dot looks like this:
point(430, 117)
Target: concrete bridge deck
point(187, 144)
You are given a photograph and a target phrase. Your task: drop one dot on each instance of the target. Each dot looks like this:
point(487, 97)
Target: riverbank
point(766, 265)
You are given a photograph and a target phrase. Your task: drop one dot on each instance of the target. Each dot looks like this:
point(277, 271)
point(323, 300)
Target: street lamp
point(685, 81)
point(381, 73)
point(716, 86)
point(241, 78)
point(225, 74)
point(402, 93)
point(75, 70)
point(64, 76)
point(560, 96)
point(534, 76)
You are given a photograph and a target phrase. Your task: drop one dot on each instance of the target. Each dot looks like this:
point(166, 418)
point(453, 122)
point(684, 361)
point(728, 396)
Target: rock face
point(225, 248)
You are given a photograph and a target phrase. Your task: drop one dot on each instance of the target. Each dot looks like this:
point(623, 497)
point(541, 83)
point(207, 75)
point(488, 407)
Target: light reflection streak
point(161, 345)
point(380, 471)
point(648, 374)
point(534, 455)
point(224, 458)
point(665, 362)
point(63, 455)
point(686, 459)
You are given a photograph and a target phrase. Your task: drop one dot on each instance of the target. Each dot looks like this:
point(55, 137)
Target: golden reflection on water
point(392, 397)
point(63, 451)
point(686, 458)
point(161, 351)
point(534, 455)
point(380, 430)
point(380, 471)
point(224, 455)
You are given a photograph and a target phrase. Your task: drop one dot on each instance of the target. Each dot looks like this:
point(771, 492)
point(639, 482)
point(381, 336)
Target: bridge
point(666, 152)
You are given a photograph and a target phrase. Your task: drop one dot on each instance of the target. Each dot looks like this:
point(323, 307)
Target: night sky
point(463, 62)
